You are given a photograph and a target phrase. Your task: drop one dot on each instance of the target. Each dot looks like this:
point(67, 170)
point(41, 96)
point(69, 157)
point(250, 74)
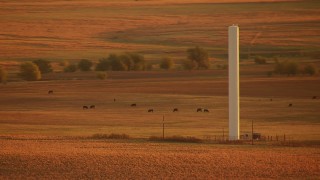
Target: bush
point(310, 69)
point(189, 65)
point(44, 65)
point(166, 63)
point(286, 67)
point(111, 136)
point(122, 62)
point(102, 75)
point(103, 65)
point(30, 71)
point(187, 139)
point(85, 65)
point(3, 75)
point(260, 60)
point(200, 56)
point(70, 68)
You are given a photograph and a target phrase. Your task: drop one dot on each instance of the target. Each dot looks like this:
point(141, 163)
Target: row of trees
point(197, 58)
point(293, 68)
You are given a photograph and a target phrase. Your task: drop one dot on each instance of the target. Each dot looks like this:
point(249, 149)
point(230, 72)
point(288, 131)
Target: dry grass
point(86, 159)
point(27, 109)
point(60, 30)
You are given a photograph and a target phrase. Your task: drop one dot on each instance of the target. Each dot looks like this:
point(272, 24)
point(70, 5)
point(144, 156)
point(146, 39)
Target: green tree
point(30, 71)
point(70, 68)
point(139, 61)
point(310, 69)
point(103, 65)
point(127, 60)
point(286, 67)
point(85, 65)
point(292, 68)
point(200, 56)
point(116, 63)
point(166, 63)
point(44, 65)
point(3, 75)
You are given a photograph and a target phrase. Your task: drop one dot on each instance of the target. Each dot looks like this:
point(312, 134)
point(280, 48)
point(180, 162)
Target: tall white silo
point(234, 114)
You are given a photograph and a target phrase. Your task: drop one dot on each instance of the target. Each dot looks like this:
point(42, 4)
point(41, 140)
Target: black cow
point(50, 92)
point(150, 110)
point(92, 107)
point(314, 97)
point(133, 105)
point(199, 110)
point(290, 105)
point(175, 110)
point(85, 107)
point(205, 110)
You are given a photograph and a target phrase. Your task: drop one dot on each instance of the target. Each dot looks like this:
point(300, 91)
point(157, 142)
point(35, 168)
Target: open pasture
point(27, 109)
point(60, 30)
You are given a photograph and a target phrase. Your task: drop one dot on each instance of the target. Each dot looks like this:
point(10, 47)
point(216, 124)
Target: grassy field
point(60, 30)
point(27, 109)
point(50, 136)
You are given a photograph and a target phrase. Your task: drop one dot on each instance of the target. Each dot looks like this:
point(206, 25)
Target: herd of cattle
point(174, 109)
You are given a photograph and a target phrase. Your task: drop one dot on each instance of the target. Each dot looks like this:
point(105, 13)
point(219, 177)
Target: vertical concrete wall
point(233, 48)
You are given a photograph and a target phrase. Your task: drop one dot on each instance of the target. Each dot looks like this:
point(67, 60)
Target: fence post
point(163, 127)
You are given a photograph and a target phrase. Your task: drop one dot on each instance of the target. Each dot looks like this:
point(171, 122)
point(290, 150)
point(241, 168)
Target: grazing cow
point(314, 97)
point(114, 100)
point(150, 110)
point(175, 110)
point(50, 92)
point(199, 110)
point(92, 107)
point(290, 105)
point(133, 105)
point(85, 107)
point(205, 110)
point(270, 99)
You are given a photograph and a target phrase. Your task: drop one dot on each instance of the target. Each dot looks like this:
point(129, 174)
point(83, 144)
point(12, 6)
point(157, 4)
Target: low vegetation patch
point(188, 139)
point(110, 136)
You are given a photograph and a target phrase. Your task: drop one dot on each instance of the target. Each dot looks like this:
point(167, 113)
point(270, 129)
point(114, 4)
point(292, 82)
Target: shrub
point(70, 68)
point(260, 60)
point(111, 136)
point(189, 65)
point(44, 65)
point(187, 139)
point(3, 75)
point(166, 63)
point(85, 65)
point(310, 69)
point(30, 71)
point(200, 56)
point(103, 65)
point(286, 67)
point(102, 75)
point(122, 62)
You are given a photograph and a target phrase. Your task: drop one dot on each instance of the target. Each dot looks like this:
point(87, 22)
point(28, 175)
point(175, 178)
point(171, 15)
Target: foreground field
point(88, 159)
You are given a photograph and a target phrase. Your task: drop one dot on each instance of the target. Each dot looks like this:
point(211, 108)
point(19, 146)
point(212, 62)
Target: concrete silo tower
point(233, 51)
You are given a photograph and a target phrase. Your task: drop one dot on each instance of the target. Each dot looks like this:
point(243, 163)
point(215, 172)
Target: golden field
point(50, 136)
point(88, 159)
point(71, 30)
